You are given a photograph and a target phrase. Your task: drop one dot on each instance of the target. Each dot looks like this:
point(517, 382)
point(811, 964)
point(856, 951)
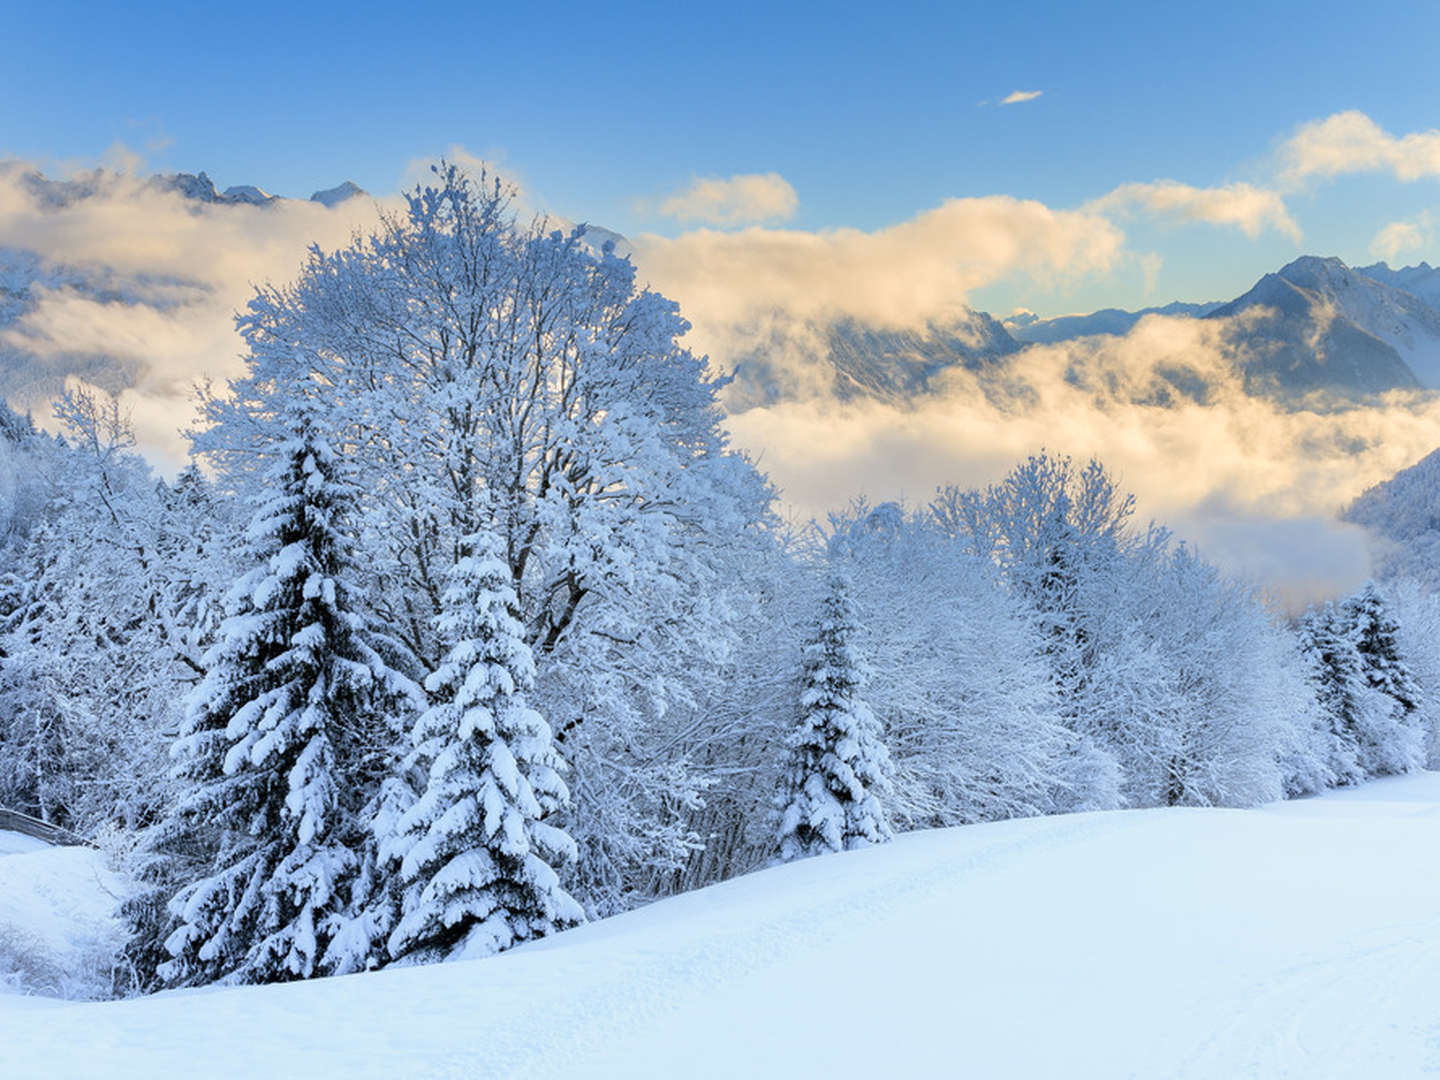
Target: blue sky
point(871, 113)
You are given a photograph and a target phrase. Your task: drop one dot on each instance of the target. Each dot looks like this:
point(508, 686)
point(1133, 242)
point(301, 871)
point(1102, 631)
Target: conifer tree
point(839, 766)
point(293, 702)
point(1397, 745)
point(1334, 666)
point(477, 861)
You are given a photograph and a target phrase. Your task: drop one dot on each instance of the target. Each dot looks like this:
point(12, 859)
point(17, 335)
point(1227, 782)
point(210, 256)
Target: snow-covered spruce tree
point(476, 859)
point(294, 707)
point(1417, 613)
point(1399, 745)
point(839, 767)
point(1352, 708)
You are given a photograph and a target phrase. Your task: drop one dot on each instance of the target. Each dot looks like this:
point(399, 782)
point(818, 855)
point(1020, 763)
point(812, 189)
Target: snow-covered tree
point(89, 673)
point(839, 768)
point(1399, 745)
point(1060, 538)
point(466, 355)
point(1417, 614)
point(476, 859)
point(971, 739)
point(281, 736)
point(1357, 715)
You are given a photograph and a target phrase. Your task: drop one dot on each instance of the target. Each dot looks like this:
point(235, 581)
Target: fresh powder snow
point(1297, 939)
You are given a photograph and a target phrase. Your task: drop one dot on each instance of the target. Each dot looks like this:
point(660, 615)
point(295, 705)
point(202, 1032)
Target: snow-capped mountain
point(196, 186)
point(1422, 281)
point(1320, 326)
point(1315, 325)
point(338, 194)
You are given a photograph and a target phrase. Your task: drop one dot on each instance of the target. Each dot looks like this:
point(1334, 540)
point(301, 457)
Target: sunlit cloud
point(903, 275)
point(1250, 209)
point(1016, 97)
point(745, 199)
point(1398, 237)
point(1351, 142)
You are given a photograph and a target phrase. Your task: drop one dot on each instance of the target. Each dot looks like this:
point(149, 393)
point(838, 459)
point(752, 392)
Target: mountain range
point(196, 186)
point(1315, 330)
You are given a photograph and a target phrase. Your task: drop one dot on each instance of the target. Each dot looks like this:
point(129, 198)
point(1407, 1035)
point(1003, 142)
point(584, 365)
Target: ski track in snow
point(1298, 940)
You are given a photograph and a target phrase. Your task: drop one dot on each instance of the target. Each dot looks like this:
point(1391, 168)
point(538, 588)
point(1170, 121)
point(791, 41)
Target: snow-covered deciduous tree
point(972, 739)
point(839, 768)
point(1060, 538)
point(89, 674)
point(1213, 731)
point(476, 859)
point(282, 736)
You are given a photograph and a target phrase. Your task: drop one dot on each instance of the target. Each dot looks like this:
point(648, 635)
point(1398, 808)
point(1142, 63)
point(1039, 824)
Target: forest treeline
point(467, 625)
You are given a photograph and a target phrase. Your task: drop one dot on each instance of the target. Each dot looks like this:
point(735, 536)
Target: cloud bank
point(1256, 487)
point(140, 287)
point(902, 275)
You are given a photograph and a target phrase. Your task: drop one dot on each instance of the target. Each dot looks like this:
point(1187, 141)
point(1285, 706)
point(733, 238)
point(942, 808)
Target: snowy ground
point(1298, 940)
point(57, 919)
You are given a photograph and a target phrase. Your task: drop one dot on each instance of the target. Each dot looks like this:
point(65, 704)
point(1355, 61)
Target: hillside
point(860, 361)
point(1403, 513)
point(1300, 939)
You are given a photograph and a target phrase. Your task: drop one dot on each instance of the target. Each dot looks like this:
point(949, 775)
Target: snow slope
point(57, 922)
point(1301, 939)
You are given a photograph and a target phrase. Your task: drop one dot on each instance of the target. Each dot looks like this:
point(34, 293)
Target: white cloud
point(1015, 97)
point(1398, 237)
point(743, 199)
point(1350, 142)
point(1250, 209)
